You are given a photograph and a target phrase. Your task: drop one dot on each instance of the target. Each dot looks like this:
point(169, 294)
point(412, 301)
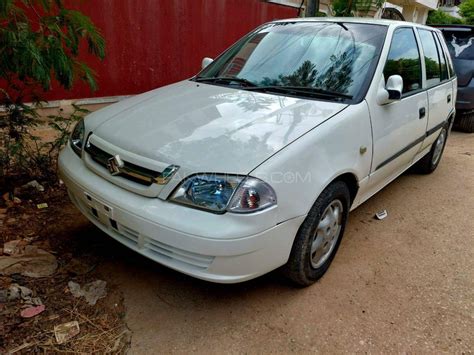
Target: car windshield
point(460, 43)
point(321, 59)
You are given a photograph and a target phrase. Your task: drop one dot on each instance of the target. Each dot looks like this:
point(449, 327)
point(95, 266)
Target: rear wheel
point(465, 122)
point(319, 236)
point(430, 161)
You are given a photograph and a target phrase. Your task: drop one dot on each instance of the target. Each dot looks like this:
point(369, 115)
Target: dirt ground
point(404, 284)
point(401, 285)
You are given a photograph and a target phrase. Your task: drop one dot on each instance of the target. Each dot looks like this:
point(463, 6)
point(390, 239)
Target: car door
point(399, 127)
point(438, 83)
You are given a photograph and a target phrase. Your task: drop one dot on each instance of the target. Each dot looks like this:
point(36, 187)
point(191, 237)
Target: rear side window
point(404, 60)
point(433, 68)
point(442, 60)
point(449, 61)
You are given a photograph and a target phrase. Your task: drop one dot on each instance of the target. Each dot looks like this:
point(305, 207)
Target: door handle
point(422, 112)
point(449, 98)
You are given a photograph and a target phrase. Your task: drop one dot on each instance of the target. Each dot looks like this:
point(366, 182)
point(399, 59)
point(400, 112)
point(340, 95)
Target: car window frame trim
point(439, 61)
point(417, 91)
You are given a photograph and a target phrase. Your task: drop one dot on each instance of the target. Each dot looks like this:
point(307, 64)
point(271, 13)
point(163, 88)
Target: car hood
point(208, 128)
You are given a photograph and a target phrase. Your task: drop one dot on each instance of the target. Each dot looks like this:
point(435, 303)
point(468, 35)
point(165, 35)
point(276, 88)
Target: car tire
point(465, 122)
point(319, 236)
point(430, 161)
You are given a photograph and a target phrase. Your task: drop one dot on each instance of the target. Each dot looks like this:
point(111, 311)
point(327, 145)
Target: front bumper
point(226, 248)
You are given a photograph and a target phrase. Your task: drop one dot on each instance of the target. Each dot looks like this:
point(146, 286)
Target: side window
point(448, 55)
point(433, 68)
point(442, 60)
point(404, 60)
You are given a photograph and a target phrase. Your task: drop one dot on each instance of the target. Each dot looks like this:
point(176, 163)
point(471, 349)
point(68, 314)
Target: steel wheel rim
point(438, 147)
point(327, 234)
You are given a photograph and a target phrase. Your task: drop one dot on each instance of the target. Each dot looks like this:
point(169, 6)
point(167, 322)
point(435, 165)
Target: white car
point(255, 163)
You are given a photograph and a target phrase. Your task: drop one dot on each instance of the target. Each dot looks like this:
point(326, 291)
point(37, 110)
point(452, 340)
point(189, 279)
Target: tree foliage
point(350, 8)
point(40, 41)
point(466, 9)
point(438, 17)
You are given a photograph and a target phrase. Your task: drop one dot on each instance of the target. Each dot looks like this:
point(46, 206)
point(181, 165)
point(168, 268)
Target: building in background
point(404, 10)
point(412, 10)
point(451, 7)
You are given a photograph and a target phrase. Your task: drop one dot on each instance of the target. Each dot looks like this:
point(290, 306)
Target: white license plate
point(99, 206)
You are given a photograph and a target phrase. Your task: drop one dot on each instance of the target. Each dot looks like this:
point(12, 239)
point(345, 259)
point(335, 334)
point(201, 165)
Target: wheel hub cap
point(439, 147)
point(326, 234)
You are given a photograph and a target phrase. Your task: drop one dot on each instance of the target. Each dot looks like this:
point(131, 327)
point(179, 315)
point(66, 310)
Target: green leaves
point(466, 9)
point(438, 17)
point(40, 41)
point(46, 43)
point(349, 8)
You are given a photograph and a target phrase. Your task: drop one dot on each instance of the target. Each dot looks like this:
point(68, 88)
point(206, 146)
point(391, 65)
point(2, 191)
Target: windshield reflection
point(330, 57)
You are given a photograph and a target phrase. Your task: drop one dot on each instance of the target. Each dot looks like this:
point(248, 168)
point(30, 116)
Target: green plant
point(350, 8)
point(466, 9)
point(438, 17)
point(42, 155)
point(40, 42)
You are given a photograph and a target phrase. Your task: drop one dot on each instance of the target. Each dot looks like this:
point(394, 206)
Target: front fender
point(302, 170)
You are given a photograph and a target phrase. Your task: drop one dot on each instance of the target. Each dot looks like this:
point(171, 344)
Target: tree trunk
point(349, 8)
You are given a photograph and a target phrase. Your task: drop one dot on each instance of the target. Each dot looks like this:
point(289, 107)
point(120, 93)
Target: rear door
point(438, 83)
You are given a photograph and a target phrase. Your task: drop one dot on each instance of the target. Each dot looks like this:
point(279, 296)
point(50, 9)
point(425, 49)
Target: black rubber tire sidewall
point(299, 268)
point(425, 165)
point(464, 122)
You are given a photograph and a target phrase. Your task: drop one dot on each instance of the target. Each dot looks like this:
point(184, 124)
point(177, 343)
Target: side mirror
point(392, 91)
point(206, 61)
point(394, 87)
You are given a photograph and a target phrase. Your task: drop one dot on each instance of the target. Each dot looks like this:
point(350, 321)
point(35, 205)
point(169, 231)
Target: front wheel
point(319, 236)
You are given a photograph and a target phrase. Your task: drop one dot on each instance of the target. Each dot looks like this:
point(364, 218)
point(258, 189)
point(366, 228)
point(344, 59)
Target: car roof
point(363, 20)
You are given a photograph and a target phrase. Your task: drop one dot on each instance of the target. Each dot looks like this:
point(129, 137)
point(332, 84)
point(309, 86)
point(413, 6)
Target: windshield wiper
point(298, 90)
point(225, 79)
point(302, 90)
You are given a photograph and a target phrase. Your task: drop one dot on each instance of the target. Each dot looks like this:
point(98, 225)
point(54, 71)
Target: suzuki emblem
point(115, 164)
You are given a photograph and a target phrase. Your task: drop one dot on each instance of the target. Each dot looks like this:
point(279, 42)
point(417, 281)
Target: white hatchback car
point(255, 162)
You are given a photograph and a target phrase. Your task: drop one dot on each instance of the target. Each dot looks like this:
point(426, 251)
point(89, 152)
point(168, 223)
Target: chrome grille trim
point(130, 171)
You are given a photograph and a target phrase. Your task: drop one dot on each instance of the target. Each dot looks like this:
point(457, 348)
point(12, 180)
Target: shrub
point(466, 9)
point(438, 17)
point(40, 41)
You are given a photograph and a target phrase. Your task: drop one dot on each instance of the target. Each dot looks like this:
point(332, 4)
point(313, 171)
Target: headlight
point(77, 137)
point(218, 193)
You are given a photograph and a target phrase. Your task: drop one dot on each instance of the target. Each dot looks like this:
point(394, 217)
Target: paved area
point(404, 284)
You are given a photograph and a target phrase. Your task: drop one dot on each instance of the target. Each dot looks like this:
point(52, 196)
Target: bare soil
point(403, 284)
point(60, 230)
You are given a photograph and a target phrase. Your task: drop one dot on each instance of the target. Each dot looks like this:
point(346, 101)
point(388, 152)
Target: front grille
point(129, 171)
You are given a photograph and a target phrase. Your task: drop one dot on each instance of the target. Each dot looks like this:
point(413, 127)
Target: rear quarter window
point(432, 58)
